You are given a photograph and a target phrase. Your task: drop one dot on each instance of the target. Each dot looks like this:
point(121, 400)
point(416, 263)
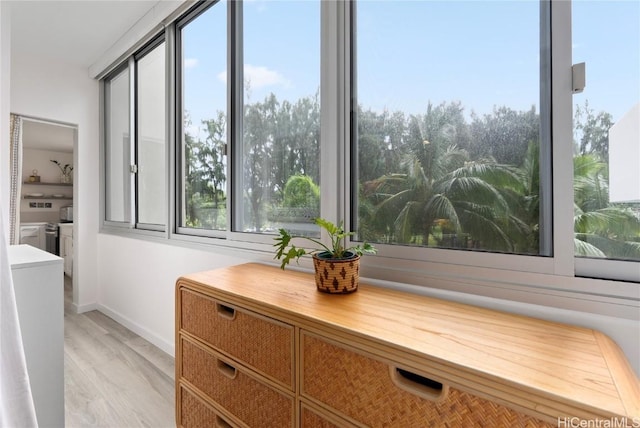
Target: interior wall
point(5, 95)
point(137, 283)
point(59, 92)
point(40, 160)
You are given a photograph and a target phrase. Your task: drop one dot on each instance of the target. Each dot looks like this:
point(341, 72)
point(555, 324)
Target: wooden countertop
point(547, 369)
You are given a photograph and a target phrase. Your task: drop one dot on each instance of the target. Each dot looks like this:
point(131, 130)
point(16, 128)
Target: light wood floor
point(113, 378)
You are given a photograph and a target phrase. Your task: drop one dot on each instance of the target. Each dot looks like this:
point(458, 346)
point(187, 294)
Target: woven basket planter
point(336, 276)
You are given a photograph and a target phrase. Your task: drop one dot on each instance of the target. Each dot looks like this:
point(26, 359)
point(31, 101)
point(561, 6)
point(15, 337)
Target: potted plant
point(336, 268)
point(65, 170)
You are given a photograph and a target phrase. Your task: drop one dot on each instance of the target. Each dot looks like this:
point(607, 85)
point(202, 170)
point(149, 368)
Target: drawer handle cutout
point(418, 384)
point(221, 423)
point(225, 311)
point(227, 369)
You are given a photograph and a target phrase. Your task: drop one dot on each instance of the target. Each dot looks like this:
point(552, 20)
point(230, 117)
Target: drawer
point(310, 418)
point(195, 413)
point(376, 394)
point(258, 342)
point(232, 388)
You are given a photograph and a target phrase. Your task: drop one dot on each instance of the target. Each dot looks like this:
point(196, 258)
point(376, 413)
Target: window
point(606, 36)
point(453, 130)
point(447, 132)
point(278, 174)
point(447, 147)
point(274, 100)
point(151, 137)
point(202, 42)
point(117, 148)
point(136, 169)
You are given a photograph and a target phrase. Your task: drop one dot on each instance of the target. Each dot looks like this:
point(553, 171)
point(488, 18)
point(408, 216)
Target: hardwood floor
point(113, 378)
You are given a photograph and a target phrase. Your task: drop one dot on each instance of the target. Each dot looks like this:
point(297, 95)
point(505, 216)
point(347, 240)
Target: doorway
point(48, 189)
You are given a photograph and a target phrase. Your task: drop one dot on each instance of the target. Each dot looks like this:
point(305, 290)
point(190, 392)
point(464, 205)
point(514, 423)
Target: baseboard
point(156, 340)
point(84, 308)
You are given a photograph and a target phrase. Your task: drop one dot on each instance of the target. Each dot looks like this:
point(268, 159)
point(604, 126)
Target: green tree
point(301, 192)
point(297, 141)
point(281, 140)
point(504, 135)
point(205, 174)
point(380, 142)
point(592, 131)
point(212, 158)
point(601, 229)
point(442, 198)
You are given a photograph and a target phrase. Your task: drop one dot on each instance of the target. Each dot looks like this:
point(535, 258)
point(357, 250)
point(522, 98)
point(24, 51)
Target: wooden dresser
point(260, 347)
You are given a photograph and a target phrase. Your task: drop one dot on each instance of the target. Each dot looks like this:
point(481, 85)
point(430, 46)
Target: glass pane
point(151, 103)
point(118, 155)
point(280, 153)
point(606, 36)
point(204, 120)
point(448, 131)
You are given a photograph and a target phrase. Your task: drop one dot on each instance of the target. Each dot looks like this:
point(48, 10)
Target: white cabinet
point(39, 290)
point(66, 247)
point(33, 234)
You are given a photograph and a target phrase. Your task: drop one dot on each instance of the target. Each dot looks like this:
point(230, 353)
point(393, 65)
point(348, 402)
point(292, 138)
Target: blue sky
point(482, 53)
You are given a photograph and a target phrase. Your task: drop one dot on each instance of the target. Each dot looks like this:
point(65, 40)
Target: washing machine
point(33, 234)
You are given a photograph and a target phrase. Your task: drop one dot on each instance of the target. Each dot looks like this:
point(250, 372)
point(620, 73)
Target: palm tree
point(601, 229)
point(442, 198)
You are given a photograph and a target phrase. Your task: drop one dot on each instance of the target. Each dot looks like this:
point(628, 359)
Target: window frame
point(132, 226)
point(178, 231)
point(542, 264)
point(559, 190)
point(561, 280)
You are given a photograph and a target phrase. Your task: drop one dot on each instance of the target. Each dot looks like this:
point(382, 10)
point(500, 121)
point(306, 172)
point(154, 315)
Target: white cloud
point(190, 62)
point(259, 77)
point(222, 76)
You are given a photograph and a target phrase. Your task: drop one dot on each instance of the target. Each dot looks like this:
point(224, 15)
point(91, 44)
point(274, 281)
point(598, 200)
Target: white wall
point(49, 173)
point(41, 161)
point(63, 93)
point(5, 95)
point(137, 283)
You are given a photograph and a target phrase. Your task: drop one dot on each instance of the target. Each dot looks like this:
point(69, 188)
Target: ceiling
point(75, 32)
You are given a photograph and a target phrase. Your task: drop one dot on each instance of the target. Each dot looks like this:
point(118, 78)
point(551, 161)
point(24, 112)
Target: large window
point(449, 133)
point(449, 127)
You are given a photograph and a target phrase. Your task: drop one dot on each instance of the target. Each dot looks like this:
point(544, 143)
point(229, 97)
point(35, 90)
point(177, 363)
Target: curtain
point(15, 179)
point(16, 402)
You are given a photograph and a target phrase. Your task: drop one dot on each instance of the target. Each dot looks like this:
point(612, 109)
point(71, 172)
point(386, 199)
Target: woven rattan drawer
point(195, 413)
point(258, 342)
point(363, 388)
point(233, 388)
point(312, 418)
